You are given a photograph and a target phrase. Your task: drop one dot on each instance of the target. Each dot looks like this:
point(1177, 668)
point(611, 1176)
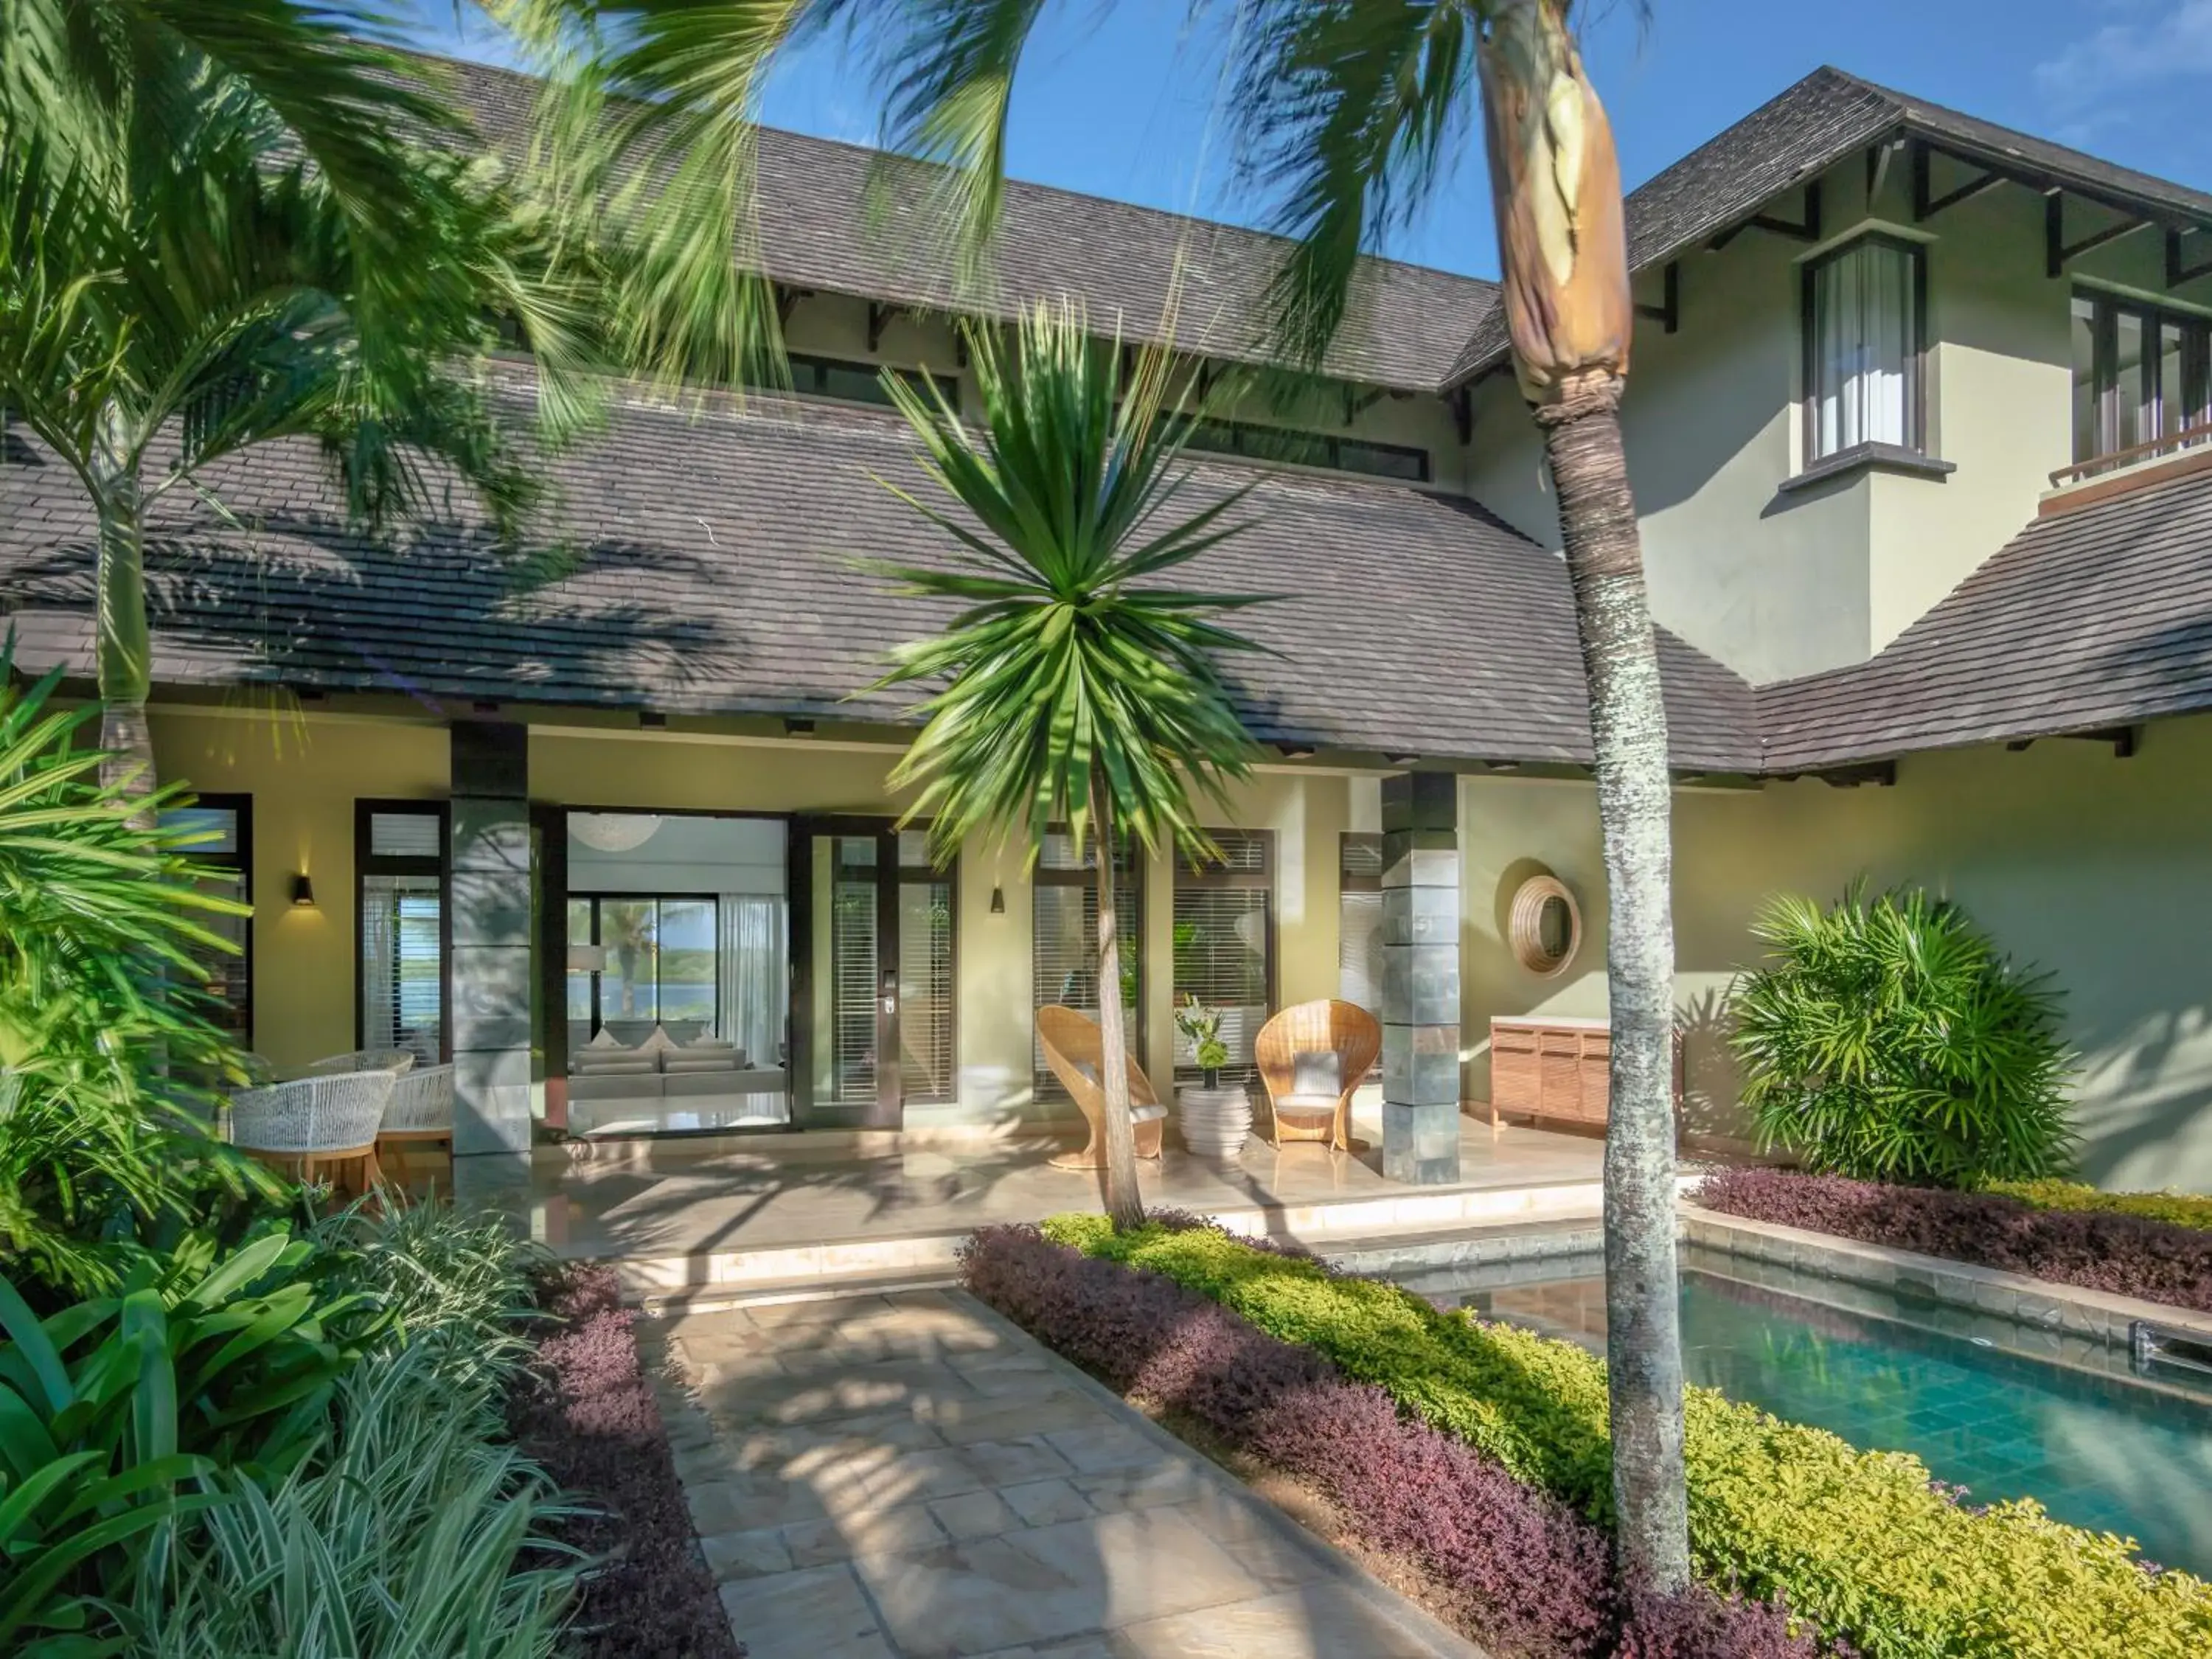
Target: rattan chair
point(316, 1123)
point(421, 1110)
point(1304, 1103)
point(1072, 1045)
point(363, 1059)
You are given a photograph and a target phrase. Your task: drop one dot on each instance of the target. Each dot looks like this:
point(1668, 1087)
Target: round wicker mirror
point(1546, 925)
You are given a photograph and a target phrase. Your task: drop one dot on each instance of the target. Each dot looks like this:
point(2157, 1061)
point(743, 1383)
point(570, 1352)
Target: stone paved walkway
point(909, 1476)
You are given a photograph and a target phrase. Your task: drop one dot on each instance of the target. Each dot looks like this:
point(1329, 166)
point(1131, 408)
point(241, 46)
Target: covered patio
point(759, 1214)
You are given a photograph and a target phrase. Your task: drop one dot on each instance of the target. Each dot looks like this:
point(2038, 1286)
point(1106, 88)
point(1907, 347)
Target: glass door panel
point(872, 952)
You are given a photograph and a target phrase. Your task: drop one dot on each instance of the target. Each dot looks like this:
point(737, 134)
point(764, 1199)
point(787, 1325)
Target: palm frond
point(1065, 666)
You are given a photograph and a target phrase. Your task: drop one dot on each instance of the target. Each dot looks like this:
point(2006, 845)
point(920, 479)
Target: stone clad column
point(1420, 978)
point(489, 895)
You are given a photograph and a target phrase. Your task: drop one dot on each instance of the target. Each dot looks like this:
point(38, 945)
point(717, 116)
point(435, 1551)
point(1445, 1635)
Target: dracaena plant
point(1074, 685)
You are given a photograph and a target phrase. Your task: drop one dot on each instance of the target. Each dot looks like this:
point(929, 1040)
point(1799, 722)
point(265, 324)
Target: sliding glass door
point(873, 996)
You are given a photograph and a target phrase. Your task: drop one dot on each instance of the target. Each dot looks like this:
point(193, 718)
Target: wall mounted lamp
point(303, 892)
point(998, 901)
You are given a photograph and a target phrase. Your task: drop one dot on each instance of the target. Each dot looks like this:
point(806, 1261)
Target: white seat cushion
point(621, 1063)
point(1316, 1072)
point(1146, 1114)
point(1307, 1102)
point(682, 1060)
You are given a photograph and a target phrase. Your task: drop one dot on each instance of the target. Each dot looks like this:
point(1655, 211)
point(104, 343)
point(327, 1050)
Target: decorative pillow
point(606, 1039)
point(1317, 1072)
point(659, 1043)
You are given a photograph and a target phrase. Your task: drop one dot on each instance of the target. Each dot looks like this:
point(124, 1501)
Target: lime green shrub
point(2177, 1209)
point(1886, 1039)
point(1858, 1541)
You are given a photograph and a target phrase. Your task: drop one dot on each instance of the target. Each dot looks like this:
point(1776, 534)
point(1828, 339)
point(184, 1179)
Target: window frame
point(2106, 305)
point(595, 896)
point(1916, 372)
point(240, 861)
point(367, 863)
point(1129, 896)
point(926, 873)
point(1219, 877)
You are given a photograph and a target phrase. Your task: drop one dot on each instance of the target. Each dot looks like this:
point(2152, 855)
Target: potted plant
point(1201, 1027)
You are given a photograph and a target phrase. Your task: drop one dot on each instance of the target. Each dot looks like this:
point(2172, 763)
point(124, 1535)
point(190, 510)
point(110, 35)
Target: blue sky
point(1117, 99)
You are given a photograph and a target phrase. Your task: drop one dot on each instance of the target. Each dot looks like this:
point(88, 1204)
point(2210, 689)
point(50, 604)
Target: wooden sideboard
point(1555, 1069)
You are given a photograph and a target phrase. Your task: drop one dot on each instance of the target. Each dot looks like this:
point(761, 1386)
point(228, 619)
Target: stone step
point(932, 1257)
point(1514, 1241)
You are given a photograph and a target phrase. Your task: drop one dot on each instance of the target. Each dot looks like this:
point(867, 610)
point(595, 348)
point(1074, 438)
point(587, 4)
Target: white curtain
point(755, 990)
point(1863, 331)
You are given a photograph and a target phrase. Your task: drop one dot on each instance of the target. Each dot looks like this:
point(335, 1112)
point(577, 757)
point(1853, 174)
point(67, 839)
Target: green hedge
point(1856, 1540)
point(2181, 1209)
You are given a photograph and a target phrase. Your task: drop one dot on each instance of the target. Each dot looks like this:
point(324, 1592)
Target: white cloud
point(2156, 40)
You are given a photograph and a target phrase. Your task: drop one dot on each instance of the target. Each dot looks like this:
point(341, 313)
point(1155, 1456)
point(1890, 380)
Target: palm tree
point(1345, 114)
point(1072, 688)
point(180, 281)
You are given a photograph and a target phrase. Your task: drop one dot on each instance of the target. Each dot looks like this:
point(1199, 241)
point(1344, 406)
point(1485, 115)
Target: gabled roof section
point(2087, 621)
point(843, 218)
point(715, 576)
point(1825, 118)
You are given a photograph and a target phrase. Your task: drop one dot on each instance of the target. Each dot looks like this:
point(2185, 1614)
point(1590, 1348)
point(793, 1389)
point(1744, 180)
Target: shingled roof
point(715, 576)
point(2092, 619)
point(1794, 138)
point(843, 218)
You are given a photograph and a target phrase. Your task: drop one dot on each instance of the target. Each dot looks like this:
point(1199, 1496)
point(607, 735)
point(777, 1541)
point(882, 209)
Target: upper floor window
point(1321, 449)
point(1863, 308)
point(2140, 379)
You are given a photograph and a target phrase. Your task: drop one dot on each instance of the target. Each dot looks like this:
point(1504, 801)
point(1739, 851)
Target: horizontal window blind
point(1359, 921)
point(1064, 939)
point(401, 866)
point(1225, 944)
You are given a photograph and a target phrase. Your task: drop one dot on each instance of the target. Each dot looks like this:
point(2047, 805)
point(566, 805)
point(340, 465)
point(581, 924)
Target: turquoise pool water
point(2099, 1449)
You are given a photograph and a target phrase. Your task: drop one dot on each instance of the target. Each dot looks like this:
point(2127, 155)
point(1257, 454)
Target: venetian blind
point(1224, 943)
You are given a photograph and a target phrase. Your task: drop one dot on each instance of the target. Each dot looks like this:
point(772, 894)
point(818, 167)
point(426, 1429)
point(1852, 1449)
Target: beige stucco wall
point(1777, 583)
point(304, 772)
point(2087, 864)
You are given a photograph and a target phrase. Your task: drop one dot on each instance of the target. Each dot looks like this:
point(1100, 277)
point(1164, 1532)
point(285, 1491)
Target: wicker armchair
point(363, 1059)
point(316, 1123)
point(1312, 1057)
point(1073, 1048)
point(421, 1109)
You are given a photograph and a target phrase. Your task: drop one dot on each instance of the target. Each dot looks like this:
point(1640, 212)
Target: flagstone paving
point(908, 1476)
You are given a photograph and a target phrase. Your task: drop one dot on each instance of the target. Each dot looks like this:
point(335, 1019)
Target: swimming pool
point(2103, 1448)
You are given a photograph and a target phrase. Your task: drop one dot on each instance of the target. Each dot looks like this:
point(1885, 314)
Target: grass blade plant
point(1886, 1039)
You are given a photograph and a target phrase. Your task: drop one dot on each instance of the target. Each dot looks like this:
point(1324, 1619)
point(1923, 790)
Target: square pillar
point(490, 893)
point(1420, 978)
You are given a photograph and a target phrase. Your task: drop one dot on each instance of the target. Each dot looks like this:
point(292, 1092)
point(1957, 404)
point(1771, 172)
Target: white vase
point(1214, 1121)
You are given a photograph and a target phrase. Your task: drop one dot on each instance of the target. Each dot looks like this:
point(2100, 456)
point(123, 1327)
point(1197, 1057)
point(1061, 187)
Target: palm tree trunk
point(123, 650)
point(1628, 732)
point(1125, 1206)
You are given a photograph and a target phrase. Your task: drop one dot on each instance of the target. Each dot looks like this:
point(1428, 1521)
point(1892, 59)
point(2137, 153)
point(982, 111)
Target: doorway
point(872, 1003)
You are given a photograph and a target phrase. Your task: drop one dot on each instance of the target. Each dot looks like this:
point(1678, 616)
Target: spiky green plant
point(1075, 687)
point(103, 1019)
point(1887, 1040)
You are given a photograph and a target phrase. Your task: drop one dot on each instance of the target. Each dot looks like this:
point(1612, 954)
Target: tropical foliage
point(1074, 686)
point(1886, 1039)
point(1862, 1543)
point(107, 1055)
point(183, 278)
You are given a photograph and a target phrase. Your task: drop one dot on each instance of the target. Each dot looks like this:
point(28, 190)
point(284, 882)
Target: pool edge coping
point(2039, 1304)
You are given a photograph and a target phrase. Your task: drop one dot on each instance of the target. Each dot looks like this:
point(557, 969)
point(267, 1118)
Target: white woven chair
point(315, 1122)
point(421, 1109)
point(363, 1059)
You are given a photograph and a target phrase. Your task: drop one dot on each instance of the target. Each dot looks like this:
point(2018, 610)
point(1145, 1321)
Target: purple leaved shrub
point(585, 1411)
point(1530, 1577)
point(2099, 1250)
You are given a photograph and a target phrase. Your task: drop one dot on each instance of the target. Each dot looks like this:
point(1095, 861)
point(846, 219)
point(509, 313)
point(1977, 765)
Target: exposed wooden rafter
point(1805, 230)
point(879, 315)
point(2177, 273)
point(785, 299)
point(1668, 313)
point(2058, 252)
point(1462, 400)
point(1926, 204)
